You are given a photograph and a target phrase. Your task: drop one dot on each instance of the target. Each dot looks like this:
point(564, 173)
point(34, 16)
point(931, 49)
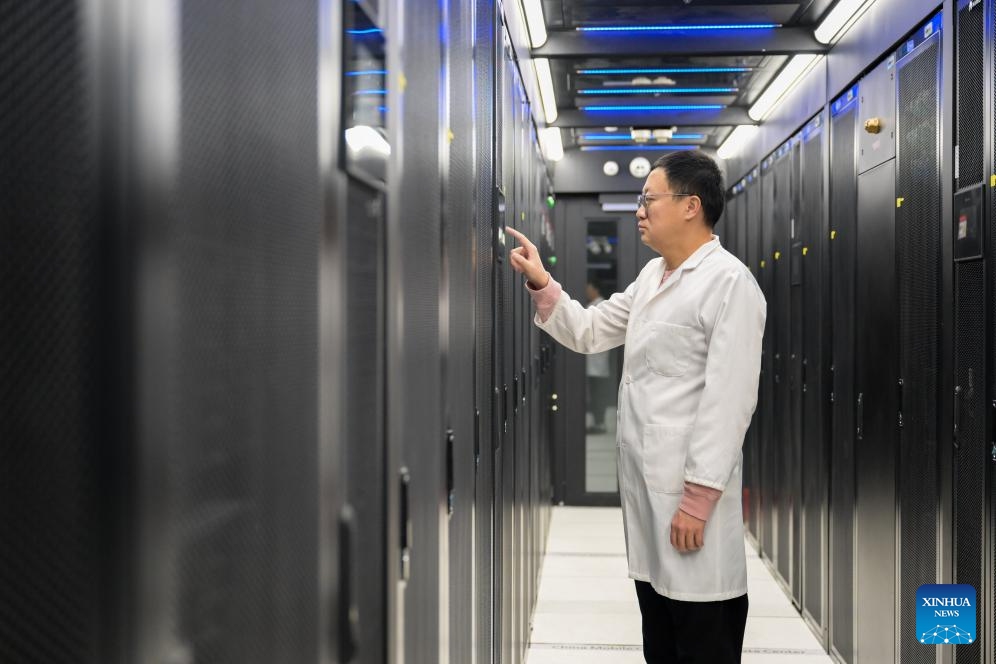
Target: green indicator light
point(552, 260)
point(551, 201)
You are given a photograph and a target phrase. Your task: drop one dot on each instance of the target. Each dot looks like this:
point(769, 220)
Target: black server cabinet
point(166, 426)
point(415, 343)
point(919, 272)
point(793, 431)
point(785, 445)
point(487, 165)
point(507, 282)
point(988, 591)
point(810, 254)
point(365, 537)
point(728, 224)
point(842, 246)
point(876, 405)
point(752, 250)
point(769, 452)
point(741, 230)
point(231, 230)
point(971, 448)
point(57, 326)
point(457, 300)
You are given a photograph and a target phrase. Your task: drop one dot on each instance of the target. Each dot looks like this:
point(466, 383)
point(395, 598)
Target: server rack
point(770, 461)
point(919, 272)
point(753, 441)
point(810, 255)
point(970, 352)
point(786, 445)
point(842, 248)
point(988, 630)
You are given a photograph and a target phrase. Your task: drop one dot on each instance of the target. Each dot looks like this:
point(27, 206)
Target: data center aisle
point(587, 611)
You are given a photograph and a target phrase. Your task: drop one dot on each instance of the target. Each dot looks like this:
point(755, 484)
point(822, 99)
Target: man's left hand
point(687, 532)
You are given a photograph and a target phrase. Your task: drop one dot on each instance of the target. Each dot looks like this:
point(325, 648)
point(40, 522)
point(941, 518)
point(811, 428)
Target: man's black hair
point(694, 172)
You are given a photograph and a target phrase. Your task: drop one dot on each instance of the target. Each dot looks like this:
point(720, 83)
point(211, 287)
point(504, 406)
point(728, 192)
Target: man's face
point(664, 217)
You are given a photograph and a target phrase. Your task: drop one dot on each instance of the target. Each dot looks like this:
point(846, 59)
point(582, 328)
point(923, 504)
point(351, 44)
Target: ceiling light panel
point(737, 27)
point(655, 91)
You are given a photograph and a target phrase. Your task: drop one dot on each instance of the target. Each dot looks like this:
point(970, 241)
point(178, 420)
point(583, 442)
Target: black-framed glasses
point(643, 199)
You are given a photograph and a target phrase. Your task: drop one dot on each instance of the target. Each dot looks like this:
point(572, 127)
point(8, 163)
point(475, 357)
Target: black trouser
point(676, 632)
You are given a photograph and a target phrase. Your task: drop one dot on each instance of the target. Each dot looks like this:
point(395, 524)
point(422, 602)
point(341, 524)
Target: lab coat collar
point(690, 263)
point(693, 261)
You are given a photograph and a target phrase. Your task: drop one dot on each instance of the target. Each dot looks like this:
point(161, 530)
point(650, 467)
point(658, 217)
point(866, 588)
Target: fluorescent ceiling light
point(551, 143)
point(645, 148)
point(655, 91)
point(843, 14)
point(667, 70)
point(674, 107)
point(736, 141)
point(618, 137)
point(789, 76)
point(535, 22)
point(677, 28)
point(547, 96)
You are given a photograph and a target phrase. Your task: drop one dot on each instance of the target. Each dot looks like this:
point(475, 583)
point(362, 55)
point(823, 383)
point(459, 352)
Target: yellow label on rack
point(992, 180)
point(833, 235)
point(805, 250)
point(778, 255)
point(899, 202)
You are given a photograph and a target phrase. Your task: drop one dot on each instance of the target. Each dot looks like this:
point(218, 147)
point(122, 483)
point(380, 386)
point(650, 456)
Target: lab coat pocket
point(664, 450)
point(667, 348)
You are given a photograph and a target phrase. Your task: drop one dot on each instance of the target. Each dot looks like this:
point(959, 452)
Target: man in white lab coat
point(692, 324)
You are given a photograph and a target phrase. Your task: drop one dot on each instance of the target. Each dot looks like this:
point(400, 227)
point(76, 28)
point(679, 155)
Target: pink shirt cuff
point(545, 298)
point(699, 501)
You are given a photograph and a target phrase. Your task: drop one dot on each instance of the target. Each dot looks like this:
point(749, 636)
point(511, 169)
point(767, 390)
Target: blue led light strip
point(645, 148)
point(678, 28)
point(368, 31)
point(668, 70)
point(653, 91)
point(368, 72)
point(370, 92)
point(675, 107)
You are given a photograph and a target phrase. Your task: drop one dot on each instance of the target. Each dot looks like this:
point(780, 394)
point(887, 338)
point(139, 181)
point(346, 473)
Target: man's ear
point(693, 206)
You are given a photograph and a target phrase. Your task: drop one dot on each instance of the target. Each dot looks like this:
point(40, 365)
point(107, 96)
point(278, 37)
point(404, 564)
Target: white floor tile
point(587, 611)
point(570, 565)
point(590, 628)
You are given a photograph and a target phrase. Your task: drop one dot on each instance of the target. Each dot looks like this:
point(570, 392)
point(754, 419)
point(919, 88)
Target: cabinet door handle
point(349, 611)
point(861, 416)
point(406, 525)
point(957, 416)
point(900, 395)
point(477, 438)
point(450, 476)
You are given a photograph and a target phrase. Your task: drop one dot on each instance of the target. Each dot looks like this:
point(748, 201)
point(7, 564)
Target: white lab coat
point(690, 375)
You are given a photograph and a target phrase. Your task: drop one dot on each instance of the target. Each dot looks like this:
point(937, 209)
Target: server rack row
point(871, 449)
point(272, 381)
